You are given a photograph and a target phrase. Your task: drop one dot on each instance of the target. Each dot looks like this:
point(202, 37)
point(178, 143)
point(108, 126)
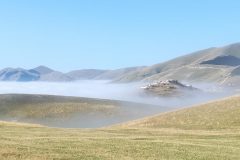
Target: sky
point(108, 34)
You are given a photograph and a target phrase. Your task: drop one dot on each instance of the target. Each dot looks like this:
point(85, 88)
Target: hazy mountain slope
point(85, 74)
point(43, 73)
point(210, 63)
point(194, 73)
point(220, 114)
point(55, 77)
point(40, 73)
point(42, 70)
point(101, 74)
point(49, 75)
point(226, 60)
point(116, 74)
point(18, 74)
point(236, 71)
point(165, 66)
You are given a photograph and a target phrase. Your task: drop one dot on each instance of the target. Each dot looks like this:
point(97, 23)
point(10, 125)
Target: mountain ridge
point(221, 61)
point(216, 65)
point(43, 73)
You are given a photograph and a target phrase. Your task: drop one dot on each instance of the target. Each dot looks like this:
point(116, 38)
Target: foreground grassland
point(151, 138)
point(222, 114)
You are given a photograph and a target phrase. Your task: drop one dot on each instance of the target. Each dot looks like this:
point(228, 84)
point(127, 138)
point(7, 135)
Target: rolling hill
point(221, 114)
point(47, 106)
point(69, 112)
point(208, 131)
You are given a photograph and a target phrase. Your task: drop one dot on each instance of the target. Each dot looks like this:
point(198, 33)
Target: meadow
point(150, 138)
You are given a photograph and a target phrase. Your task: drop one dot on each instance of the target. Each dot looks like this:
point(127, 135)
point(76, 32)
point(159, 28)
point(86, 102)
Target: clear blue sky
point(75, 34)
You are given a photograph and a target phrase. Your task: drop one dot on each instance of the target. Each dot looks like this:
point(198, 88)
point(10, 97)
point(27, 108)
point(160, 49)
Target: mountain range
point(43, 73)
point(217, 64)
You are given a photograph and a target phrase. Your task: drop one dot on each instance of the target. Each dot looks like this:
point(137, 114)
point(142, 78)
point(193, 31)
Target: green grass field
point(205, 132)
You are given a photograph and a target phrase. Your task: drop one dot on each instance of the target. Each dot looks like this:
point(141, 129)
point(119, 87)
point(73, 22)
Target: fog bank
point(105, 90)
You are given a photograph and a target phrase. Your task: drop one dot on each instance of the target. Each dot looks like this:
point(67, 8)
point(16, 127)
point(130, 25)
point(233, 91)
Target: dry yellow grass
point(42, 143)
point(17, 124)
point(187, 134)
point(214, 115)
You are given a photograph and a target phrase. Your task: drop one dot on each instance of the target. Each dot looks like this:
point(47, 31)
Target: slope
point(222, 114)
point(69, 112)
point(162, 137)
point(18, 74)
point(207, 65)
point(85, 74)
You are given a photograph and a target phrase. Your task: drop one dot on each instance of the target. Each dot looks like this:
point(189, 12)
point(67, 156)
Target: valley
point(119, 80)
point(185, 108)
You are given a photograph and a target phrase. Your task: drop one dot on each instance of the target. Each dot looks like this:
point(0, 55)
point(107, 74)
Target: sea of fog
point(105, 90)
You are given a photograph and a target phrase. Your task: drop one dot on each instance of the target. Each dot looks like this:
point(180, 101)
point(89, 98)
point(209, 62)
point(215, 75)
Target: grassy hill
point(47, 106)
point(209, 131)
point(209, 65)
point(73, 112)
point(223, 114)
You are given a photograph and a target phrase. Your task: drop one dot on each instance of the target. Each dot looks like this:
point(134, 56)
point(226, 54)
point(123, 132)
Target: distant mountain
point(101, 74)
point(219, 65)
point(85, 74)
point(118, 73)
point(18, 74)
point(50, 75)
point(40, 73)
point(55, 77)
point(42, 70)
point(209, 65)
point(43, 73)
